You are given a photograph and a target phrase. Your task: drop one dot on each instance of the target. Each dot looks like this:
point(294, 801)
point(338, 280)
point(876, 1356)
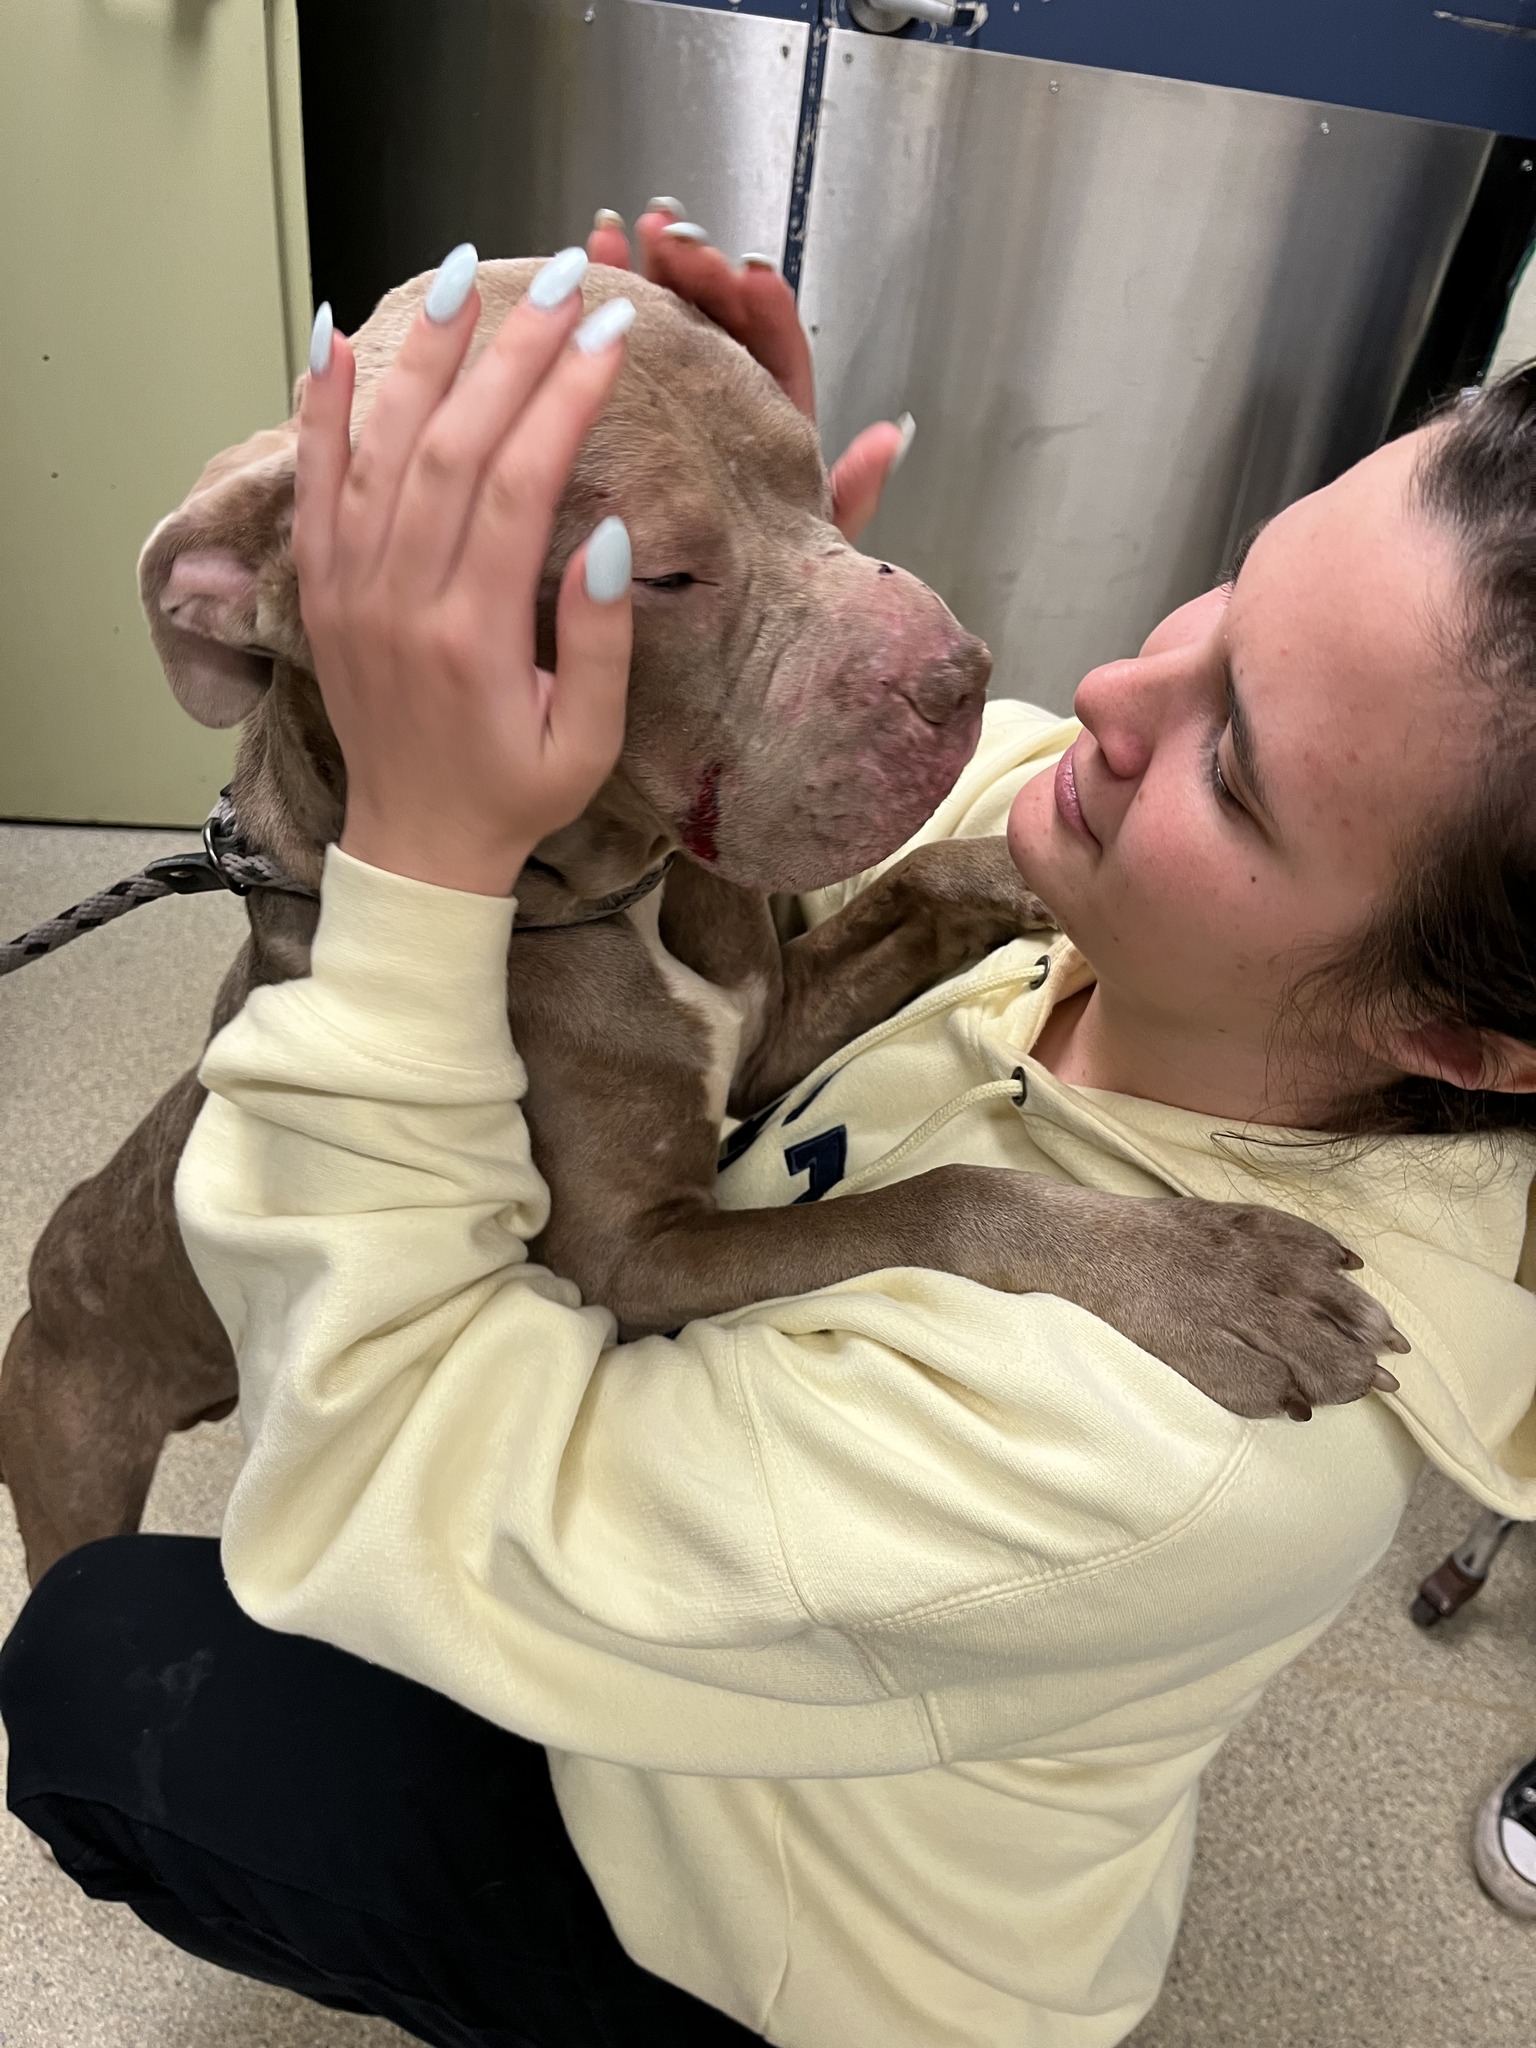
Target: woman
point(874, 1641)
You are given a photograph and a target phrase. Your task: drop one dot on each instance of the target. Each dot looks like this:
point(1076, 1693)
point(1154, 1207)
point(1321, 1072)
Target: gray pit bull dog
point(796, 711)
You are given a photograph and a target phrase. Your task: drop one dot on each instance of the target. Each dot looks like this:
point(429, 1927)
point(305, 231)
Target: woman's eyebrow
point(1242, 750)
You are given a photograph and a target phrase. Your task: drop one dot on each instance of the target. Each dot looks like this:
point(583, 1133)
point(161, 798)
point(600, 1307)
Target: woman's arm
point(451, 1470)
point(887, 1525)
point(902, 1521)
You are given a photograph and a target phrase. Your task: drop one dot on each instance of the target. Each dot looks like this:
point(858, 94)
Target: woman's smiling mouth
point(1070, 810)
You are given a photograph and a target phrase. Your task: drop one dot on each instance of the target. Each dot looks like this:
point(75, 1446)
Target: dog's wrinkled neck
point(289, 785)
point(614, 844)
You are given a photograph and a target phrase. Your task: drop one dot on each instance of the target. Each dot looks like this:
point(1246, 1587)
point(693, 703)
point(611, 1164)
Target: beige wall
point(155, 288)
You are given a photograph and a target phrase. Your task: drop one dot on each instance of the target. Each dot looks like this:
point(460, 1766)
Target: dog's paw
point(1252, 1306)
point(969, 891)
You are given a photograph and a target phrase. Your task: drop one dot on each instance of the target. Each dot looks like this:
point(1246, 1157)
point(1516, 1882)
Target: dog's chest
point(731, 1017)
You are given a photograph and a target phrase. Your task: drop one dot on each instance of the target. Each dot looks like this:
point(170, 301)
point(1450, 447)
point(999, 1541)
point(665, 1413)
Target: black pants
point(292, 1813)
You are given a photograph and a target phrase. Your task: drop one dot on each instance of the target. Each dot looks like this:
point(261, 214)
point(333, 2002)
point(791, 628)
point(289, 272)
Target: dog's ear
point(217, 582)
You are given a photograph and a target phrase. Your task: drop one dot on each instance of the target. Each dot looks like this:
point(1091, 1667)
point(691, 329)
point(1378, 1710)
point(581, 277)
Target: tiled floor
point(1332, 1900)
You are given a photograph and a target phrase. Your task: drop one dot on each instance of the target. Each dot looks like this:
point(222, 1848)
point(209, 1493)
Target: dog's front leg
point(1251, 1305)
point(936, 912)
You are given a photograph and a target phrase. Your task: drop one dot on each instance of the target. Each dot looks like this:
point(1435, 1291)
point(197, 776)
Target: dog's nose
point(951, 685)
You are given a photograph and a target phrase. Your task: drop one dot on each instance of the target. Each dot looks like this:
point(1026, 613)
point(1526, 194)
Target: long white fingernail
point(609, 562)
point(665, 205)
point(686, 231)
point(604, 326)
point(908, 427)
point(558, 279)
point(320, 336)
point(450, 287)
point(754, 259)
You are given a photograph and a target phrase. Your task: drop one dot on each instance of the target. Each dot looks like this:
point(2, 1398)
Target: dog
point(796, 711)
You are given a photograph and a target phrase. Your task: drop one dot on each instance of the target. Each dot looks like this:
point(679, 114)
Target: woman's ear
point(1465, 1057)
point(217, 583)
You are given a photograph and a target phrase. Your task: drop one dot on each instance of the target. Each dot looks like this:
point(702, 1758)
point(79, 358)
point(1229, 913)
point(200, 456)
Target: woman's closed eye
point(1219, 785)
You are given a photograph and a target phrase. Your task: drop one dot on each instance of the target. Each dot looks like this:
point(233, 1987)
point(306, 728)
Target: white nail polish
point(754, 259)
point(605, 217)
point(665, 205)
point(686, 231)
point(604, 326)
point(558, 279)
point(320, 340)
point(451, 286)
point(609, 562)
point(908, 427)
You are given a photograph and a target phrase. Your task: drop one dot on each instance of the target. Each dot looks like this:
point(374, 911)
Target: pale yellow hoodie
point(879, 1637)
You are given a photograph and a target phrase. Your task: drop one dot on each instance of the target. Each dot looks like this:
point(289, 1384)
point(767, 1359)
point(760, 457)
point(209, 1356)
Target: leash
point(227, 862)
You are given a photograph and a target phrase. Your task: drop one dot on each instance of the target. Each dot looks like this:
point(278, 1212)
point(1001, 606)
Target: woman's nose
point(1116, 702)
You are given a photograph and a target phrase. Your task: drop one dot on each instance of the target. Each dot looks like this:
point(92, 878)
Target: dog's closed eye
point(679, 581)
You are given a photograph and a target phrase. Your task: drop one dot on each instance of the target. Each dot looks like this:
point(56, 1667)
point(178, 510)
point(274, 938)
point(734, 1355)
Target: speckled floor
point(1332, 1900)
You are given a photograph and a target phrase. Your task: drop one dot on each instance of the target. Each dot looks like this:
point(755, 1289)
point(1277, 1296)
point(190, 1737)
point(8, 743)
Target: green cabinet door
point(151, 241)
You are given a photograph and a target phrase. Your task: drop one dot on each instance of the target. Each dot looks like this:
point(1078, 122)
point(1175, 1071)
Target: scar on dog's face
point(796, 709)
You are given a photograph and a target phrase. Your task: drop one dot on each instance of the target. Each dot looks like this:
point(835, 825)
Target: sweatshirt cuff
point(410, 970)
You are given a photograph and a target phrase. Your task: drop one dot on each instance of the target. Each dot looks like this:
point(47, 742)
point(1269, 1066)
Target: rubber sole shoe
point(1504, 1843)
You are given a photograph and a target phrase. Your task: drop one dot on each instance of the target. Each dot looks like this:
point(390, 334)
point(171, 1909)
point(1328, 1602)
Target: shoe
point(1504, 1843)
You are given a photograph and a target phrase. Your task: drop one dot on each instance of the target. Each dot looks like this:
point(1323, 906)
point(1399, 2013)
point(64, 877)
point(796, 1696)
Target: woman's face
point(1242, 788)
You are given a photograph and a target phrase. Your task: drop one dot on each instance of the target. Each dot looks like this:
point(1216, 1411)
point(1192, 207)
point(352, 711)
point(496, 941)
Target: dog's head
point(796, 709)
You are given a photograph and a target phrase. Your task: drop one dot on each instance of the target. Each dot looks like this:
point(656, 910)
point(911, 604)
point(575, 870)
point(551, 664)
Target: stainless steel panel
point(614, 100)
point(1131, 317)
point(510, 122)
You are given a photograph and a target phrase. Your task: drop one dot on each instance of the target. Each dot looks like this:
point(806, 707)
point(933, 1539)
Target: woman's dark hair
point(1456, 947)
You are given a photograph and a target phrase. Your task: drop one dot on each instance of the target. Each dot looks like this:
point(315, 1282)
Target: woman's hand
point(757, 308)
point(419, 557)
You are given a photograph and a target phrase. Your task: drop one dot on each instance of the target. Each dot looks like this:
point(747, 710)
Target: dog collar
point(605, 906)
point(227, 861)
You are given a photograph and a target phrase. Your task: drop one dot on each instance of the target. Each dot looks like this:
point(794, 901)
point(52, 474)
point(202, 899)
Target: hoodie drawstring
point(1014, 1088)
